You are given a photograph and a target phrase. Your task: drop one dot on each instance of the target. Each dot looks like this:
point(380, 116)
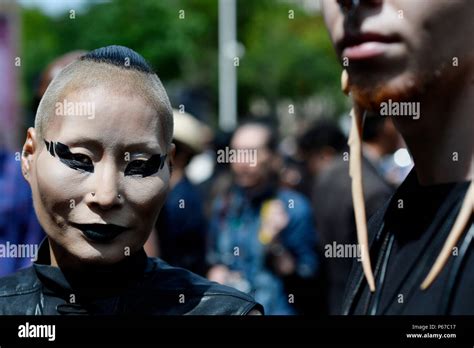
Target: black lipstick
point(100, 232)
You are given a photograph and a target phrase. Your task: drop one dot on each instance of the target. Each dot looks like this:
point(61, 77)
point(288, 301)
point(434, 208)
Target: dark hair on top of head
point(320, 134)
point(120, 56)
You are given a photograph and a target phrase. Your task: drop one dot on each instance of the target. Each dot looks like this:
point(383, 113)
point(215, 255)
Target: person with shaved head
point(403, 62)
point(99, 163)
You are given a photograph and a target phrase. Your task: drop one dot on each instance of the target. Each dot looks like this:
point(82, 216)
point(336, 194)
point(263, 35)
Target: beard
point(370, 89)
point(406, 87)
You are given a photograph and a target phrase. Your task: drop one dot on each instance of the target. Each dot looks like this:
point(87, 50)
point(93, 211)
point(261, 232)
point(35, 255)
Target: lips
point(366, 45)
point(100, 232)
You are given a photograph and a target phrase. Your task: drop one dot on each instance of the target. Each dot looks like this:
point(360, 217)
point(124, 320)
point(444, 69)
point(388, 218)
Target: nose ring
point(119, 196)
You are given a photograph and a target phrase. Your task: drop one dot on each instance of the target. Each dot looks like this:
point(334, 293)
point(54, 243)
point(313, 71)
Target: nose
point(106, 193)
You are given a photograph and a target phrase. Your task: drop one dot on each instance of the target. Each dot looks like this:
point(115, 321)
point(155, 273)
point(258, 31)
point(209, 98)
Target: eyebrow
point(151, 147)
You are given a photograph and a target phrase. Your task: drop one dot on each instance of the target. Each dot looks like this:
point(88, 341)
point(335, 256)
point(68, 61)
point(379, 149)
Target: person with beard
point(421, 251)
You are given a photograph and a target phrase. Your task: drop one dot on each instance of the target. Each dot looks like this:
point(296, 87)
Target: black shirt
point(334, 210)
point(407, 236)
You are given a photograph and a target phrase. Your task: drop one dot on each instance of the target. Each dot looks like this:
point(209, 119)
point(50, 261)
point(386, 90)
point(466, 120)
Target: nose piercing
point(119, 196)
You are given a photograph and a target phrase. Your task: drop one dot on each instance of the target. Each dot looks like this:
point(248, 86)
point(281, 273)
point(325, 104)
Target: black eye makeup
point(146, 168)
point(75, 161)
point(82, 162)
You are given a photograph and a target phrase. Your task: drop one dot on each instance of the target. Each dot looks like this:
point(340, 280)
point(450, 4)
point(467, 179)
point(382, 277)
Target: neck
point(441, 140)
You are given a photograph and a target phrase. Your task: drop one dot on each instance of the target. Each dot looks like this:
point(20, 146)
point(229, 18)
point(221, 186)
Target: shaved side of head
point(115, 68)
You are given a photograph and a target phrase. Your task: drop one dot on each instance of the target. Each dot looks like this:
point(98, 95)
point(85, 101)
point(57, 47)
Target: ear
point(171, 155)
point(29, 150)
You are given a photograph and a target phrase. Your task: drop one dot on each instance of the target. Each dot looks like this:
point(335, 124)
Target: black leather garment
point(137, 285)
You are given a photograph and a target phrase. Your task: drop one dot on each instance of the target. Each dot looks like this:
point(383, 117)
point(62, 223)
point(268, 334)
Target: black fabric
point(332, 193)
point(137, 285)
point(418, 219)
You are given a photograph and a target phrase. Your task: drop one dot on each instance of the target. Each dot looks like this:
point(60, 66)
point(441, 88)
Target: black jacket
point(138, 285)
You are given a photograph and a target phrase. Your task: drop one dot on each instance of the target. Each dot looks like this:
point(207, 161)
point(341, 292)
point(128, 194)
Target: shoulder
point(18, 293)
point(19, 283)
point(189, 293)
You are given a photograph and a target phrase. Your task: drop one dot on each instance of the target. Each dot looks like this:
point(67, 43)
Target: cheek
point(57, 187)
point(146, 196)
point(427, 22)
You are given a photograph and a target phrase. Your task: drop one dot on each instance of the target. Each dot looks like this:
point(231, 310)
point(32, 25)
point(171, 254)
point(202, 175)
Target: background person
point(263, 237)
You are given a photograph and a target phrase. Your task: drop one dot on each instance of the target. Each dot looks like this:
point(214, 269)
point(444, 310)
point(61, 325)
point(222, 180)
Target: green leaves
point(284, 57)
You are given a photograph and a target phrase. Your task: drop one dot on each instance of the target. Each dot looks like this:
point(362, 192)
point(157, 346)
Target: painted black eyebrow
point(62, 151)
point(50, 148)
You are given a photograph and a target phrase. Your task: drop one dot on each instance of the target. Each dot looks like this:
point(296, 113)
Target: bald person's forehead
point(86, 74)
point(251, 136)
point(100, 106)
point(80, 77)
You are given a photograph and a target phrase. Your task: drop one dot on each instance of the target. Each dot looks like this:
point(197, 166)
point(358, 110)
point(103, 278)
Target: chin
point(90, 253)
point(405, 87)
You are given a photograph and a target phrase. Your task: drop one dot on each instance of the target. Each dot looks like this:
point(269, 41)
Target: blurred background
point(282, 61)
point(265, 68)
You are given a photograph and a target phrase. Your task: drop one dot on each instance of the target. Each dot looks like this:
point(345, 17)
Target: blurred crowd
point(243, 210)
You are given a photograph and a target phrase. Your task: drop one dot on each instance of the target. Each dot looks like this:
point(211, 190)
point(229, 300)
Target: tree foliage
point(284, 58)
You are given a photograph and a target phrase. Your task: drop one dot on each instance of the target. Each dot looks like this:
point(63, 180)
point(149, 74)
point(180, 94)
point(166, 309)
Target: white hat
point(190, 131)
